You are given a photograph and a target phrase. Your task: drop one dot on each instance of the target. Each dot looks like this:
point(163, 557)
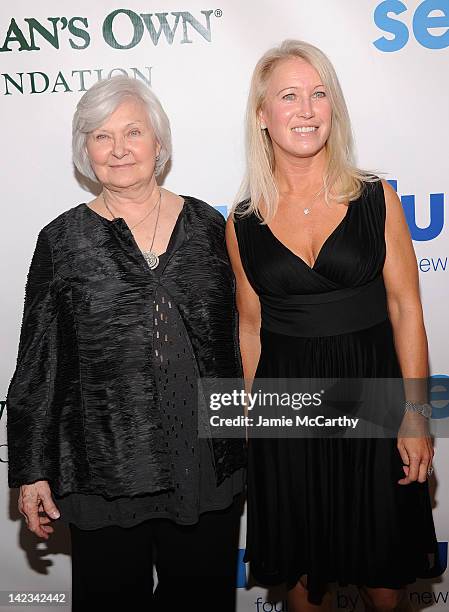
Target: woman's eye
point(289, 96)
point(100, 136)
point(134, 133)
point(319, 94)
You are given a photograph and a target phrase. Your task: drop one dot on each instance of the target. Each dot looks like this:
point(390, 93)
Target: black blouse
point(84, 404)
point(195, 489)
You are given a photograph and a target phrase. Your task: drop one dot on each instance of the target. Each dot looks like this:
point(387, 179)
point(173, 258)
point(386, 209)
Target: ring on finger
point(429, 471)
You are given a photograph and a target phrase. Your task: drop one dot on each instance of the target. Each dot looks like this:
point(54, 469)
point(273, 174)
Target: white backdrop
point(392, 60)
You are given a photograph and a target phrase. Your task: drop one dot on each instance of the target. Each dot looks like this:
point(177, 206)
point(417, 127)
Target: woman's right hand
point(37, 506)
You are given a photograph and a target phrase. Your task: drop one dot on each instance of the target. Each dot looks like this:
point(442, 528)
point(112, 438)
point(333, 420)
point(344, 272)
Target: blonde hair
point(342, 180)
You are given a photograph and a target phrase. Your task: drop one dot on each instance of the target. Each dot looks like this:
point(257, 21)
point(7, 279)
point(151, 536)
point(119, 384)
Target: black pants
point(196, 565)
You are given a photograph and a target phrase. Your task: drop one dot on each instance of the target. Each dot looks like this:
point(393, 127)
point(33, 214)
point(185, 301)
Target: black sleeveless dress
point(327, 507)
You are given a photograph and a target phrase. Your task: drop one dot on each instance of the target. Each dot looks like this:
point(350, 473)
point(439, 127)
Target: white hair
point(100, 101)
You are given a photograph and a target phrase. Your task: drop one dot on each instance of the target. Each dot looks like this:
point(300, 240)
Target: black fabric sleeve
point(30, 389)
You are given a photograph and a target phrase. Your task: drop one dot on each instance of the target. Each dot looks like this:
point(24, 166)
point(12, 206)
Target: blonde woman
point(327, 286)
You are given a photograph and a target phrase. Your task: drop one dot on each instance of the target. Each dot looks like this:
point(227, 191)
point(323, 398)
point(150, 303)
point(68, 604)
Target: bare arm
point(401, 281)
point(405, 311)
point(248, 306)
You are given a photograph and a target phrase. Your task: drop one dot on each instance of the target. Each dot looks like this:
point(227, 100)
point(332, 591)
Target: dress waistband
point(326, 314)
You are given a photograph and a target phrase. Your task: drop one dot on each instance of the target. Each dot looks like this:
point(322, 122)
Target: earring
point(157, 157)
point(263, 126)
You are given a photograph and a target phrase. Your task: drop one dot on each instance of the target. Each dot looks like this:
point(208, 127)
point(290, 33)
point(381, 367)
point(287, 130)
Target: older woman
point(129, 301)
point(327, 286)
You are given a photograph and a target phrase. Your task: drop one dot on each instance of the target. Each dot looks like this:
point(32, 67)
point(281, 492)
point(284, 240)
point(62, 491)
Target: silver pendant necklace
point(150, 257)
point(308, 209)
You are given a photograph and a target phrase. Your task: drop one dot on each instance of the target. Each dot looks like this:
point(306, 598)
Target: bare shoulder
point(231, 238)
point(391, 197)
point(395, 217)
point(230, 224)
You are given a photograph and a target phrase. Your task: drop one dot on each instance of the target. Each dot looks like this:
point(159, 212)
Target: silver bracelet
point(424, 409)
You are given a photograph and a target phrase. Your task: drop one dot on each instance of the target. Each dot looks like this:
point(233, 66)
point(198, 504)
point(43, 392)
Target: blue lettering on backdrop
point(241, 570)
point(423, 23)
point(439, 396)
point(434, 264)
point(436, 223)
point(442, 550)
point(392, 26)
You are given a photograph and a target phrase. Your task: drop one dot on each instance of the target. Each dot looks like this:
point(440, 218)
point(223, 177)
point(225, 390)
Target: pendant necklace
point(308, 209)
point(150, 257)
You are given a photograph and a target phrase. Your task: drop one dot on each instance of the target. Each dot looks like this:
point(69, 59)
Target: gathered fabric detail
point(82, 406)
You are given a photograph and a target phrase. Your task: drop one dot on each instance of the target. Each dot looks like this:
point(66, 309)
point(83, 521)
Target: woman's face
point(123, 150)
point(296, 110)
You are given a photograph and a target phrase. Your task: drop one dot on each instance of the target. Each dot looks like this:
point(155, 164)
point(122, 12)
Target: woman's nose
point(119, 149)
point(305, 108)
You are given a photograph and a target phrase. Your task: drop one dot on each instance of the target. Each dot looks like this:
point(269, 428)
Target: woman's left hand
point(415, 447)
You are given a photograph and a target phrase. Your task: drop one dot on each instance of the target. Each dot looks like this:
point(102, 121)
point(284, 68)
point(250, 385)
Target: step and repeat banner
point(392, 58)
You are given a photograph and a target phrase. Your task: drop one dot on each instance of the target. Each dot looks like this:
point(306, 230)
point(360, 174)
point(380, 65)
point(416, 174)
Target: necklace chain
point(308, 209)
point(143, 218)
point(150, 257)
